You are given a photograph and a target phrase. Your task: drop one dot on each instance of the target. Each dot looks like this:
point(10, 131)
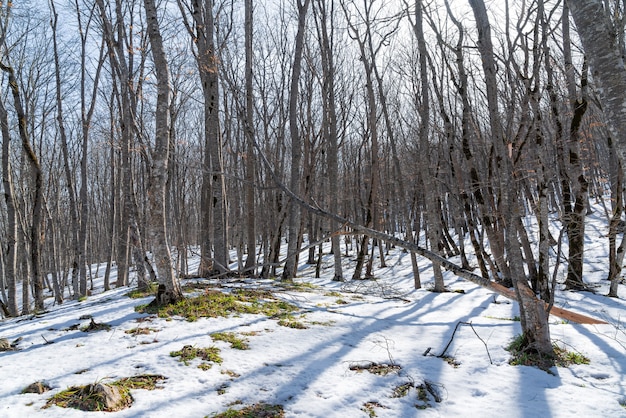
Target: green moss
point(333, 294)
point(298, 286)
point(140, 331)
point(95, 326)
point(566, 358)
point(289, 321)
point(213, 304)
point(253, 411)
point(402, 390)
point(138, 294)
point(188, 353)
point(522, 355)
point(142, 381)
point(89, 398)
point(231, 338)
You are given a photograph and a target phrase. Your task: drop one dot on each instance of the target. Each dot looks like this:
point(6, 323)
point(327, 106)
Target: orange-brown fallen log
point(411, 246)
point(556, 311)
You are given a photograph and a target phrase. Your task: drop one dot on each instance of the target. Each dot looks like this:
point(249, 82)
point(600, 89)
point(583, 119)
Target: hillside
point(366, 348)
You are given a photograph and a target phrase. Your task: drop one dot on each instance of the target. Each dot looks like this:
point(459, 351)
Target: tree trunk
point(250, 211)
point(291, 264)
point(10, 262)
point(329, 124)
point(169, 289)
point(533, 314)
point(74, 226)
point(607, 65)
point(575, 219)
point(35, 167)
point(430, 183)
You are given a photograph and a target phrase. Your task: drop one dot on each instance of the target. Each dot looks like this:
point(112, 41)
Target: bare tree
point(121, 63)
point(36, 174)
point(289, 271)
point(325, 31)
point(250, 165)
point(10, 253)
point(169, 289)
point(533, 313)
point(213, 236)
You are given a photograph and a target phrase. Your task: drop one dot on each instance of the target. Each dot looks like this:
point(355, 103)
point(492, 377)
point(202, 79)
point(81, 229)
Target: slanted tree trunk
point(130, 232)
point(487, 211)
point(533, 313)
point(37, 192)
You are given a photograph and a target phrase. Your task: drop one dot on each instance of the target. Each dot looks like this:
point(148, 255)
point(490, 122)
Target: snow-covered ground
point(310, 372)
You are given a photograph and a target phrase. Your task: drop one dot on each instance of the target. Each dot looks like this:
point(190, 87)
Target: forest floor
point(355, 349)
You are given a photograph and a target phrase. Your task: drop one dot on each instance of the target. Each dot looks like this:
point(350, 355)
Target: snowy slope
point(310, 371)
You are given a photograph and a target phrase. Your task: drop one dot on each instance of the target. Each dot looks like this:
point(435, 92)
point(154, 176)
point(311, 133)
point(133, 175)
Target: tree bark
point(533, 314)
point(250, 163)
point(37, 177)
point(293, 225)
point(10, 261)
point(329, 123)
point(169, 289)
point(433, 214)
point(607, 65)
point(432, 256)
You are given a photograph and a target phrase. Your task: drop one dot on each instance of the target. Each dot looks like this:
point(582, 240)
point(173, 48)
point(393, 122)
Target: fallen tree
point(432, 256)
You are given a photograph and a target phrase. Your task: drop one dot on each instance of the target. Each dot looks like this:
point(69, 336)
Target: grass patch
point(92, 398)
point(521, 355)
point(323, 323)
point(423, 401)
point(140, 331)
point(370, 408)
point(258, 410)
point(402, 390)
point(108, 397)
point(214, 304)
point(142, 381)
point(222, 389)
point(298, 286)
point(451, 361)
point(381, 369)
point(566, 358)
point(231, 338)
point(231, 374)
point(289, 321)
point(341, 302)
point(95, 326)
point(189, 352)
point(333, 294)
point(138, 294)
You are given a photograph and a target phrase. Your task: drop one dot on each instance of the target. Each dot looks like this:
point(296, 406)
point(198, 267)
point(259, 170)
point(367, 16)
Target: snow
point(309, 371)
